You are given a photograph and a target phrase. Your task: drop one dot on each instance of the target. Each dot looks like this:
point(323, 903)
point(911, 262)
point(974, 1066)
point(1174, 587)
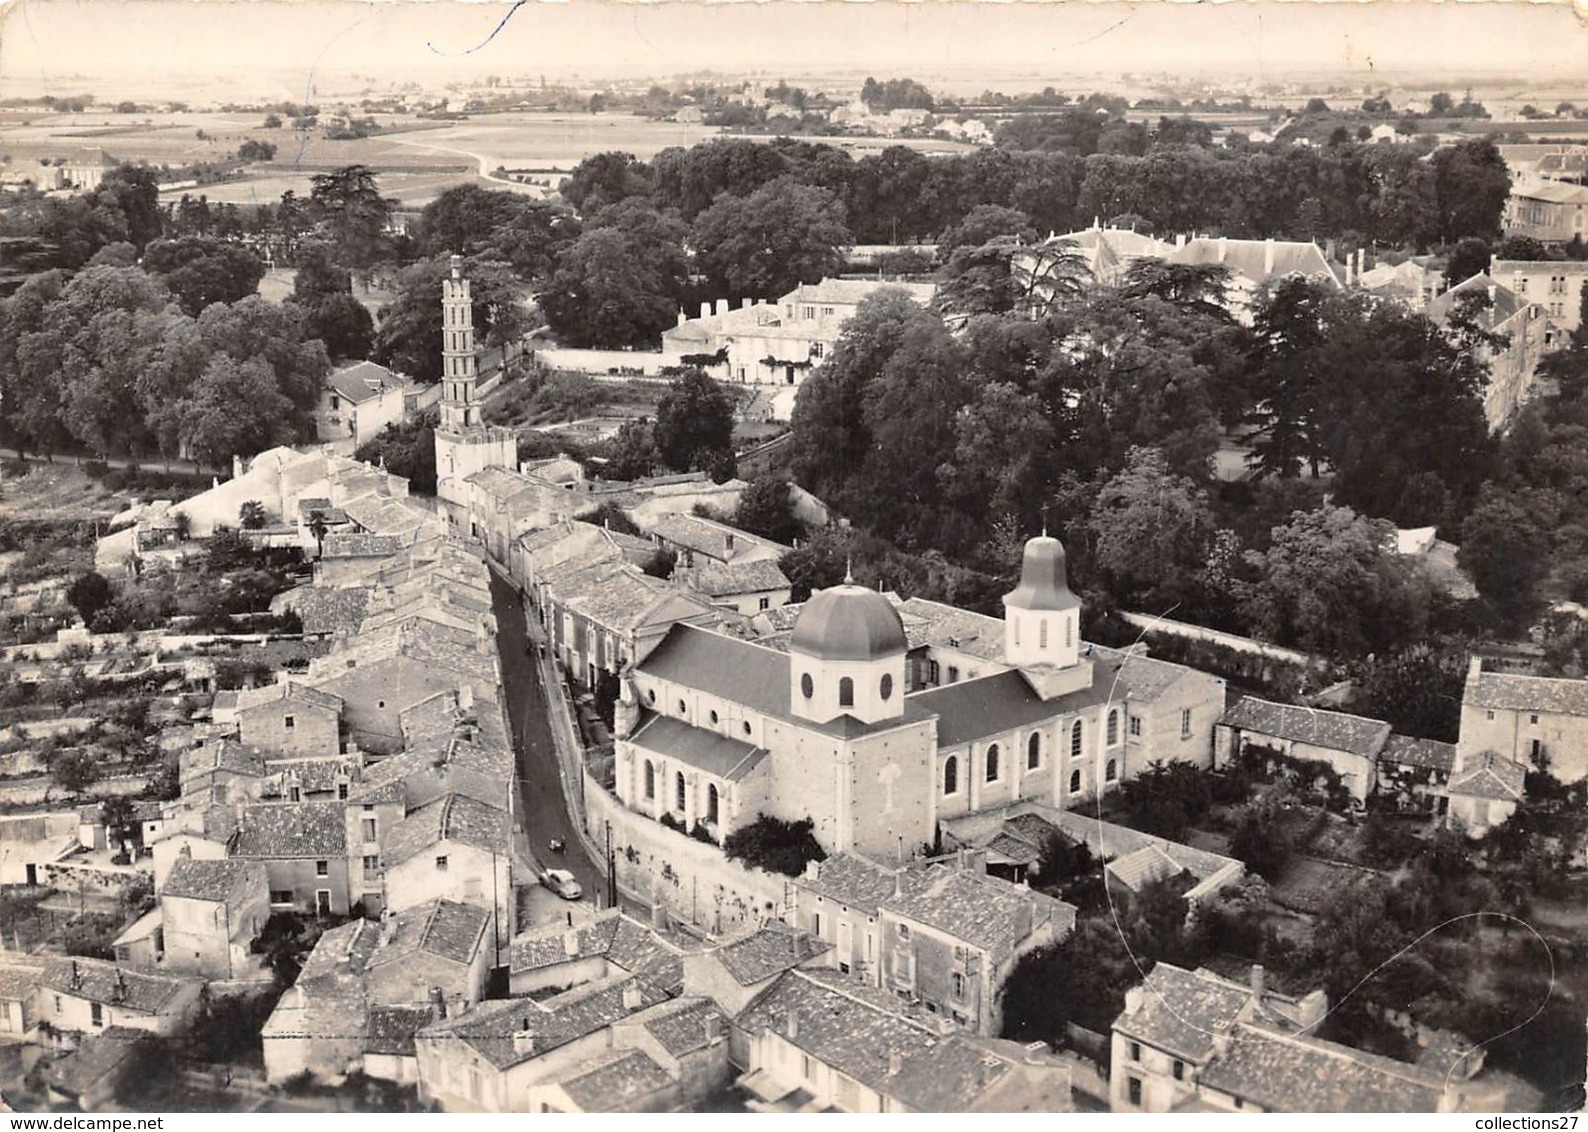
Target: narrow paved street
point(543, 812)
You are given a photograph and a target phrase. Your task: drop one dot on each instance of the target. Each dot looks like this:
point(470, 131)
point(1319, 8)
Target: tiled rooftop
point(1492, 776)
point(851, 880)
point(612, 1081)
point(716, 755)
point(390, 1029)
point(767, 951)
point(453, 817)
point(1303, 1074)
point(991, 705)
point(225, 881)
point(1509, 692)
point(126, 988)
point(1333, 730)
point(1403, 750)
point(279, 831)
point(446, 929)
point(983, 911)
point(288, 691)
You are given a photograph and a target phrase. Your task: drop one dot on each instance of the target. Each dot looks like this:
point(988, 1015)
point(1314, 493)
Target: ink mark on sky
point(517, 4)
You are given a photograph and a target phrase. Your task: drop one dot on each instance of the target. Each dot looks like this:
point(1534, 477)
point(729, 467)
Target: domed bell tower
point(846, 657)
point(1042, 622)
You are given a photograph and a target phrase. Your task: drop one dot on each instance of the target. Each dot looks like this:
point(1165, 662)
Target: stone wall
point(693, 880)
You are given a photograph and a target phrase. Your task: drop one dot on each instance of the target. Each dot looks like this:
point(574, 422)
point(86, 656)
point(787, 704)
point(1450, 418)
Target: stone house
point(210, 912)
point(89, 995)
point(303, 847)
point(290, 718)
point(1350, 744)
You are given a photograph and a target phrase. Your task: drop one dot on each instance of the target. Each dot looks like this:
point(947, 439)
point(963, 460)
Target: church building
point(714, 730)
point(465, 444)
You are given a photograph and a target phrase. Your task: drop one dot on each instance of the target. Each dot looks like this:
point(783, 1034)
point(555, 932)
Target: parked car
point(562, 882)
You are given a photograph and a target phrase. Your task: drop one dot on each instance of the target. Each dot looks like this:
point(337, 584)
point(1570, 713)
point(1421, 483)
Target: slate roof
point(1250, 257)
point(1403, 750)
point(250, 698)
point(221, 882)
point(992, 705)
point(453, 817)
point(851, 880)
point(1555, 192)
point(985, 912)
point(1295, 1074)
point(1489, 775)
point(283, 830)
point(737, 671)
point(1333, 730)
point(716, 755)
point(446, 929)
point(960, 629)
point(490, 1027)
point(853, 291)
point(614, 1080)
point(1510, 692)
point(126, 988)
point(767, 951)
point(390, 1029)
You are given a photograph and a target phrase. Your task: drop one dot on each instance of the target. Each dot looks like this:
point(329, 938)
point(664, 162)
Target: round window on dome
point(887, 685)
point(807, 688)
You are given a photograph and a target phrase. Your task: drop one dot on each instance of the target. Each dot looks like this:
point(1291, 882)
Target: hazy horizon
point(288, 49)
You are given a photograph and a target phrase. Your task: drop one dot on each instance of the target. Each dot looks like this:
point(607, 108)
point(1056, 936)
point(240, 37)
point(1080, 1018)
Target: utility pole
point(612, 872)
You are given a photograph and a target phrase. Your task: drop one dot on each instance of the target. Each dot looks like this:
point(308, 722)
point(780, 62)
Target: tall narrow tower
point(465, 444)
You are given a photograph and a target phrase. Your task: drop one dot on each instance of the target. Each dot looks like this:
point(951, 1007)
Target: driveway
point(543, 811)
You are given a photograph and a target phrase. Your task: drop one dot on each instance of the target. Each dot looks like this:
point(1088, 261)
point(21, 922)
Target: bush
point(775, 845)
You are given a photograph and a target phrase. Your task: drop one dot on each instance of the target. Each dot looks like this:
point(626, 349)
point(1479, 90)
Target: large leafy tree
point(325, 293)
point(982, 224)
point(603, 179)
point(1331, 582)
point(200, 271)
point(496, 224)
point(409, 336)
point(1502, 543)
point(690, 180)
point(620, 283)
point(30, 392)
point(694, 424)
point(408, 450)
point(766, 508)
point(1005, 276)
point(347, 205)
point(765, 244)
point(133, 192)
point(1289, 328)
point(1152, 531)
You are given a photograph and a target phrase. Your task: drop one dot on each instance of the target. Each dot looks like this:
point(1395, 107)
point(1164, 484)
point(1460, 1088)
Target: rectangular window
point(1179, 1070)
point(289, 722)
point(341, 791)
point(1532, 719)
point(322, 868)
point(441, 864)
point(371, 865)
point(816, 923)
point(1185, 723)
point(1135, 726)
point(953, 674)
point(766, 603)
point(959, 985)
point(1133, 1090)
point(281, 896)
point(295, 793)
point(1135, 1051)
point(369, 829)
point(1488, 715)
point(807, 1067)
point(96, 1013)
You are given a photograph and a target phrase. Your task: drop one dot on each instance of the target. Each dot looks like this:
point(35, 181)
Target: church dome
point(848, 623)
point(1044, 578)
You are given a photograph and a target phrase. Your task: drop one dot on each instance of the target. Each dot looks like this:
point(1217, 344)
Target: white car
point(562, 882)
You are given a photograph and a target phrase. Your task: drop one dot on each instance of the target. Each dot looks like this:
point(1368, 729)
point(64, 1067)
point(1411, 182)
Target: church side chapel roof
point(1333, 730)
point(717, 755)
point(1140, 676)
point(940, 624)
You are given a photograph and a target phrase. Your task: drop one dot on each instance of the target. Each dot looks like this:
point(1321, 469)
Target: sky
point(45, 43)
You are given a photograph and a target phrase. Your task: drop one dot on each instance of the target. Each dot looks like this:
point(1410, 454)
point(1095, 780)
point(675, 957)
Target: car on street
point(562, 882)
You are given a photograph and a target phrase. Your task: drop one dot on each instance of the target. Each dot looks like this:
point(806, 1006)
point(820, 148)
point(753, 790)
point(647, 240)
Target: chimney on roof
point(705, 310)
point(388, 927)
point(1224, 248)
point(659, 916)
point(1135, 998)
point(813, 870)
point(895, 1063)
point(792, 1024)
point(1258, 980)
point(1268, 256)
point(76, 977)
point(524, 1041)
point(438, 1004)
point(633, 998)
point(118, 993)
point(722, 307)
point(682, 317)
point(570, 943)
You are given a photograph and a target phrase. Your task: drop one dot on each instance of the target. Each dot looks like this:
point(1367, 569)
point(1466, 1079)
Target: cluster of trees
point(116, 362)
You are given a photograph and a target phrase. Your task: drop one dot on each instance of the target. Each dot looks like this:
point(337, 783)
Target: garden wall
point(692, 879)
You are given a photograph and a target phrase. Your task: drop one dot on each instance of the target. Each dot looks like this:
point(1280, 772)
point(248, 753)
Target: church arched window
point(846, 692)
point(1111, 772)
point(1042, 636)
point(678, 789)
point(1113, 727)
point(1034, 751)
point(1075, 782)
point(992, 763)
point(951, 776)
point(711, 803)
point(650, 780)
point(1075, 740)
point(1069, 631)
